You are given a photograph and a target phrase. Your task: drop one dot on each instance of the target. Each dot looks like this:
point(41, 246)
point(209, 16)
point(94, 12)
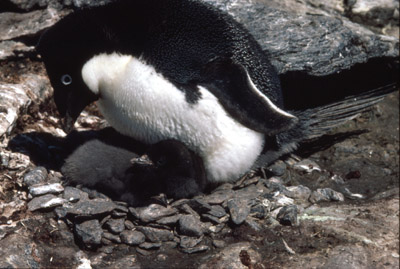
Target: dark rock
point(249, 192)
point(190, 226)
point(89, 233)
point(253, 224)
point(185, 208)
point(45, 202)
point(199, 206)
point(239, 210)
point(93, 208)
point(189, 242)
point(112, 237)
point(147, 245)
point(325, 194)
point(275, 184)
point(73, 195)
point(156, 235)
point(195, 249)
point(143, 252)
point(278, 168)
point(258, 211)
point(37, 175)
point(154, 212)
point(288, 215)
point(132, 238)
point(116, 226)
point(54, 188)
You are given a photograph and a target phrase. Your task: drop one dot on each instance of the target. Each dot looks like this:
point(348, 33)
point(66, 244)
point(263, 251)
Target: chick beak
point(142, 160)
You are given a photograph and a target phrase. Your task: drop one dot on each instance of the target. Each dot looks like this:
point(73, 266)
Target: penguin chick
point(176, 69)
point(167, 167)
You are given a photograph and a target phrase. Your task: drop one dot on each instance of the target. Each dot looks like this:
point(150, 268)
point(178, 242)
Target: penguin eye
point(66, 79)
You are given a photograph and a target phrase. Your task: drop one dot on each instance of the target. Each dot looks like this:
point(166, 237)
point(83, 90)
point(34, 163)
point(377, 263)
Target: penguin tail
point(318, 121)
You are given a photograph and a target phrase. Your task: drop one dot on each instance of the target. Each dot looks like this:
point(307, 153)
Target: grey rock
point(13, 101)
point(11, 49)
point(73, 195)
point(374, 12)
point(26, 24)
point(132, 238)
point(299, 192)
point(115, 226)
point(190, 226)
point(155, 234)
point(112, 237)
point(89, 233)
point(249, 192)
point(275, 184)
point(296, 39)
point(147, 245)
point(54, 188)
point(211, 218)
point(259, 211)
point(45, 202)
point(189, 242)
point(197, 249)
point(278, 168)
point(93, 208)
point(143, 252)
point(253, 224)
point(37, 175)
point(154, 212)
point(288, 215)
point(326, 194)
point(238, 210)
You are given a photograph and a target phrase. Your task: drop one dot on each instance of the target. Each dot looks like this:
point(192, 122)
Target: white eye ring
point(66, 79)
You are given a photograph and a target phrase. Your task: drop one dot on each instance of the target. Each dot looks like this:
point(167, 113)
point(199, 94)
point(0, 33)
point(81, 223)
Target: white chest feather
point(141, 103)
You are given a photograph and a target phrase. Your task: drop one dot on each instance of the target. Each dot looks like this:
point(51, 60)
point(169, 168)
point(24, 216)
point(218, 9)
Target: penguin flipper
point(231, 84)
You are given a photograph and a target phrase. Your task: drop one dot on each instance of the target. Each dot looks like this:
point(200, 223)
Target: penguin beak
point(142, 160)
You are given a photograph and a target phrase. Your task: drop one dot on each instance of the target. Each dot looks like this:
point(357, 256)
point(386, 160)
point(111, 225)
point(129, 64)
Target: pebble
point(154, 212)
point(155, 234)
point(54, 188)
point(73, 195)
point(89, 233)
point(326, 194)
point(147, 245)
point(37, 175)
point(93, 208)
point(190, 226)
point(199, 206)
point(116, 226)
point(189, 242)
point(288, 215)
point(45, 202)
point(198, 249)
point(238, 210)
point(170, 220)
point(306, 166)
point(299, 192)
point(218, 243)
point(112, 237)
point(129, 225)
point(219, 196)
point(132, 238)
point(278, 168)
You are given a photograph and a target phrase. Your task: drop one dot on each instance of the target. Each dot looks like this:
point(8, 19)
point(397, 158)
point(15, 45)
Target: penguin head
point(64, 49)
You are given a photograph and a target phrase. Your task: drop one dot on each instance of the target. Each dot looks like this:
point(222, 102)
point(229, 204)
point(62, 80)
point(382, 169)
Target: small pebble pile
point(97, 221)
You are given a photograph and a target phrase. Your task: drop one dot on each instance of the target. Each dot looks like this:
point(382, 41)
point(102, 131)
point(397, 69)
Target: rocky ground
point(328, 205)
